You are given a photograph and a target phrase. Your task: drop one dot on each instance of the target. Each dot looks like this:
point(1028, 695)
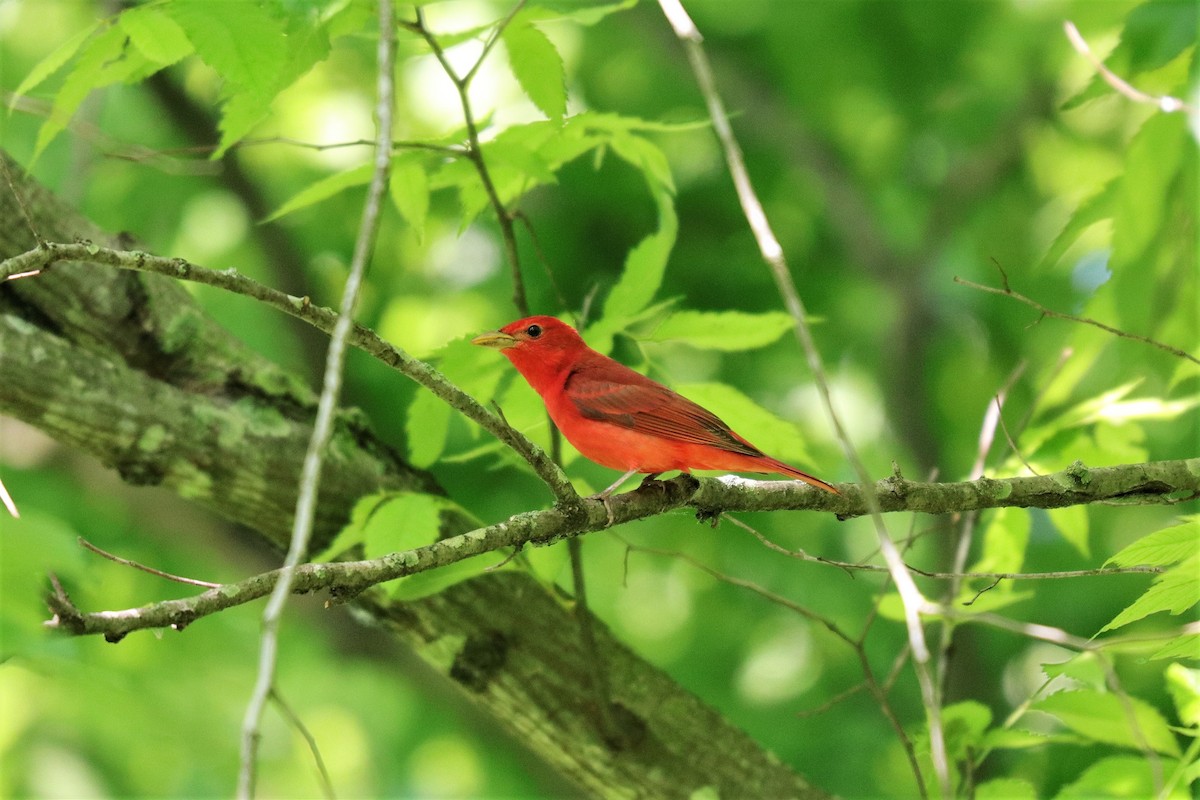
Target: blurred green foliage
point(894, 145)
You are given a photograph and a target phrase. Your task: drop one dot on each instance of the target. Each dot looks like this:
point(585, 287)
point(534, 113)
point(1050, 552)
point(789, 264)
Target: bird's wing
point(630, 400)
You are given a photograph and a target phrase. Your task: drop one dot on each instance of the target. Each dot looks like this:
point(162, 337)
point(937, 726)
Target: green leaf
point(1102, 717)
point(409, 190)
point(537, 66)
point(53, 62)
point(241, 41)
point(1072, 525)
point(964, 724)
point(645, 264)
point(1163, 547)
point(723, 330)
point(426, 426)
point(88, 74)
point(1006, 789)
point(1004, 542)
point(323, 189)
point(155, 34)
point(777, 437)
point(1186, 646)
point(1152, 164)
point(1117, 777)
point(1184, 686)
point(582, 12)
point(1095, 209)
point(1175, 591)
point(1084, 668)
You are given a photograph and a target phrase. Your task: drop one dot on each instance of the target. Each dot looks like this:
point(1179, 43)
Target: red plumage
point(620, 418)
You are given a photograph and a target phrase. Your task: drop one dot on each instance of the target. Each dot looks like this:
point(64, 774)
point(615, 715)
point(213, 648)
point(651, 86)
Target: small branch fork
point(707, 497)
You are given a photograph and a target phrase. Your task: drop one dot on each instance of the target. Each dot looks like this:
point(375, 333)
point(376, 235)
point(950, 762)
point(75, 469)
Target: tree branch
point(707, 497)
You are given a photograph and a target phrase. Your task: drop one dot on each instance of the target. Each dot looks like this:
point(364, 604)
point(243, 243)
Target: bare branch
point(1049, 312)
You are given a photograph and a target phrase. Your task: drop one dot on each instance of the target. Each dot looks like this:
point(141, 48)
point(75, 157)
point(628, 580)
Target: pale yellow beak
point(497, 340)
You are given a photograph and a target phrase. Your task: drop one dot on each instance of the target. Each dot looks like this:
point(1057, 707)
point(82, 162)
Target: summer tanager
point(619, 418)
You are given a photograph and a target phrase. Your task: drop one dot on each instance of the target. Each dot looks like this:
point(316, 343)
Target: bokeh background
point(894, 145)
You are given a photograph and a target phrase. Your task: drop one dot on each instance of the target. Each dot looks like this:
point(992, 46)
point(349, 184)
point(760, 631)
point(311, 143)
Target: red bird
point(619, 418)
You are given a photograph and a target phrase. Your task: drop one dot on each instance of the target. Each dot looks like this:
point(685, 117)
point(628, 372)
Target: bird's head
point(539, 347)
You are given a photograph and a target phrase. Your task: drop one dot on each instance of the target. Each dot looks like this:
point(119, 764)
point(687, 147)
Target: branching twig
point(1049, 312)
point(310, 479)
point(126, 562)
point(1165, 103)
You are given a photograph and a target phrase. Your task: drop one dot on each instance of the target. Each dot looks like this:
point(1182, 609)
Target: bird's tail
point(784, 469)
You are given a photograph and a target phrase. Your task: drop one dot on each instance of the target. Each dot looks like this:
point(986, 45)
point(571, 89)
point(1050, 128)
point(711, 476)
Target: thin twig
point(294, 719)
point(1165, 103)
point(6, 498)
point(128, 563)
point(772, 253)
point(858, 566)
point(1049, 312)
point(327, 404)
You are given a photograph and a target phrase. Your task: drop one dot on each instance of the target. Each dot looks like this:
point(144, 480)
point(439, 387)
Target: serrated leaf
point(1174, 591)
point(645, 156)
point(426, 426)
point(1184, 687)
point(1102, 717)
point(155, 34)
point(1072, 525)
point(723, 330)
point(323, 189)
point(1084, 667)
point(409, 190)
point(1163, 547)
point(241, 41)
point(53, 62)
point(1181, 647)
point(101, 51)
point(537, 66)
point(241, 113)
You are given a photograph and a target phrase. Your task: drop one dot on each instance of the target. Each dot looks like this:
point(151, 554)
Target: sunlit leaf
point(323, 189)
point(101, 50)
point(1184, 686)
point(1072, 525)
point(537, 66)
point(1102, 717)
point(1163, 547)
point(54, 61)
point(426, 427)
point(1096, 208)
point(1181, 647)
point(154, 33)
point(409, 190)
point(723, 330)
point(1174, 591)
point(1119, 777)
point(1004, 541)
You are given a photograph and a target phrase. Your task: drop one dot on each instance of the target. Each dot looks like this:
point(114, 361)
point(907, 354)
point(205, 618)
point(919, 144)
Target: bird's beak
point(497, 340)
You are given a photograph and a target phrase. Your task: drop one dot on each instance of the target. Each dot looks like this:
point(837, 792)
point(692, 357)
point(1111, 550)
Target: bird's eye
point(534, 331)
